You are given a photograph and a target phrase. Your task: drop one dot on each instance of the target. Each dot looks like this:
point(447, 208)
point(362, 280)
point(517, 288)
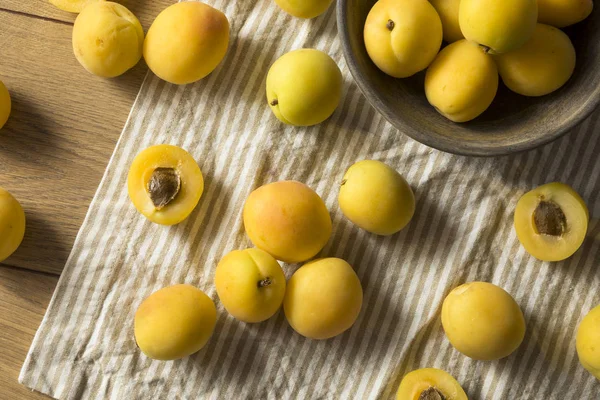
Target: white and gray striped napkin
point(462, 231)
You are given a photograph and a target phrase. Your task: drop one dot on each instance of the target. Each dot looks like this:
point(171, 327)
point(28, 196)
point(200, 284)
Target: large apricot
point(12, 224)
point(402, 37)
point(430, 384)
point(561, 13)
point(5, 104)
point(165, 184)
point(588, 342)
point(186, 42)
point(551, 221)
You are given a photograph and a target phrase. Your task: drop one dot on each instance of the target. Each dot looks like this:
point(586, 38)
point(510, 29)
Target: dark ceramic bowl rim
point(466, 149)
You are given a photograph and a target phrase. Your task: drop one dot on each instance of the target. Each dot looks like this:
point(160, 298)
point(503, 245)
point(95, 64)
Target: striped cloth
point(462, 231)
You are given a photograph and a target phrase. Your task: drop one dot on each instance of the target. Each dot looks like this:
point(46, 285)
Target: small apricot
point(174, 322)
point(561, 13)
point(288, 220)
point(462, 81)
point(250, 284)
point(304, 8)
point(165, 184)
point(448, 11)
point(483, 321)
point(12, 224)
point(588, 342)
point(107, 39)
point(323, 298)
point(5, 104)
point(72, 6)
point(430, 384)
point(551, 221)
point(376, 198)
point(542, 65)
point(402, 37)
point(186, 42)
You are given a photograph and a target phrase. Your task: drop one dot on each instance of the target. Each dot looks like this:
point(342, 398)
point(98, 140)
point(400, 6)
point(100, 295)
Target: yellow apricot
point(483, 321)
point(323, 298)
point(5, 104)
point(72, 6)
point(561, 13)
point(448, 11)
point(588, 342)
point(376, 198)
point(186, 42)
point(540, 66)
point(165, 184)
point(551, 221)
point(174, 322)
point(288, 220)
point(250, 284)
point(304, 87)
point(107, 39)
point(402, 37)
point(12, 224)
point(499, 26)
point(427, 383)
point(304, 8)
point(462, 81)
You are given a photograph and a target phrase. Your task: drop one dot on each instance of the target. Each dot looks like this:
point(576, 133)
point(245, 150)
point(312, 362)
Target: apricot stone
point(12, 224)
point(430, 383)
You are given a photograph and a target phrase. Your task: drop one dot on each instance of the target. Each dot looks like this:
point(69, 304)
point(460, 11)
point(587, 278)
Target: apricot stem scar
point(265, 282)
point(344, 182)
point(549, 218)
point(163, 187)
point(274, 102)
point(486, 49)
point(431, 394)
point(390, 25)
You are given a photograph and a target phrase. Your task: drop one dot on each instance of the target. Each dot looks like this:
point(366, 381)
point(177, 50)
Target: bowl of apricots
point(475, 77)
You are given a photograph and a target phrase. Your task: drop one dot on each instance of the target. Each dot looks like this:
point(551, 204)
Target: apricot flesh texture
point(165, 184)
point(588, 342)
point(561, 13)
point(482, 321)
point(323, 298)
point(250, 284)
point(551, 221)
point(430, 384)
point(288, 220)
point(402, 37)
point(174, 322)
point(5, 104)
point(12, 224)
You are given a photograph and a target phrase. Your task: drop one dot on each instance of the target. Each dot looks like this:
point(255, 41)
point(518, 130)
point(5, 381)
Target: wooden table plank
point(62, 131)
point(24, 296)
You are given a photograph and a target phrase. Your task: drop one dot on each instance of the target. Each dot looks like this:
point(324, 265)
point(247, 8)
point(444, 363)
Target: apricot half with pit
point(165, 184)
point(482, 321)
point(5, 104)
point(588, 342)
point(12, 224)
point(430, 384)
point(551, 221)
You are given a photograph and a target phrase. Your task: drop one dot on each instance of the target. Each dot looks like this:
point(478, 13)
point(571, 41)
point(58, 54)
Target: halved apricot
point(430, 384)
point(165, 184)
point(551, 221)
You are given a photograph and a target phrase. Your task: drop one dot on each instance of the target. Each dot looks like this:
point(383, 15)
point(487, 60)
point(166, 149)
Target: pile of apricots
point(289, 222)
point(516, 39)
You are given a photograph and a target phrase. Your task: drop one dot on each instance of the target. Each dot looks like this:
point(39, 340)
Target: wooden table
point(53, 151)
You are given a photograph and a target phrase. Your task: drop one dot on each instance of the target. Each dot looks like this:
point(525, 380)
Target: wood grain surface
point(53, 151)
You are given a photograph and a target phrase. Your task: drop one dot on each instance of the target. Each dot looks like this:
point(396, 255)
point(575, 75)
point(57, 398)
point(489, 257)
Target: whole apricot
point(174, 322)
point(12, 224)
point(72, 6)
point(304, 8)
point(376, 198)
point(288, 220)
point(402, 37)
point(448, 11)
point(498, 26)
point(165, 184)
point(186, 42)
point(542, 65)
point(462, 81)
point(561, 13)
point(250, 284)
point(304, 87)
point(551, 221)
point(430, 383)
point(483, 321)
point(588, 342)
point(107, 39)
point(323, 298)
point(5, 104)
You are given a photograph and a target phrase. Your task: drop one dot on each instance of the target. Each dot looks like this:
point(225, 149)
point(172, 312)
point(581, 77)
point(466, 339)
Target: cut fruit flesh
point(430, 384)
